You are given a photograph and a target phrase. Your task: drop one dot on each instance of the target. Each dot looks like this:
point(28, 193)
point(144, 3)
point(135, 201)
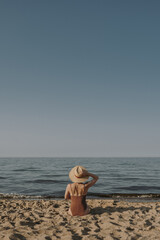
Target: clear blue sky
point(79, 78)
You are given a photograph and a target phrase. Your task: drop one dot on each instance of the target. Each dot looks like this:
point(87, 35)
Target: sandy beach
point(108, 219)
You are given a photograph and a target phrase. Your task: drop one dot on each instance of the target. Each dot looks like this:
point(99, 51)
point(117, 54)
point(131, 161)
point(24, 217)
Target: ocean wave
point(44, 181)
point(139, 188)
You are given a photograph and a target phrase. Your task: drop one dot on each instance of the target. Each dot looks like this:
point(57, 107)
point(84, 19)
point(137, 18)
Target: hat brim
point(75, 179)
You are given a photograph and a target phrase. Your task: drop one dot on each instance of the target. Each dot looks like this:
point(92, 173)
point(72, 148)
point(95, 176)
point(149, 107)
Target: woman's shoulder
point(68, 186)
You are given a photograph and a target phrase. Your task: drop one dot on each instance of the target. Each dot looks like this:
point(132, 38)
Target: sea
point(48, 177)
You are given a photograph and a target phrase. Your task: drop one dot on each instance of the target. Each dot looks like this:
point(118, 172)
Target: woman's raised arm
point(93, 181)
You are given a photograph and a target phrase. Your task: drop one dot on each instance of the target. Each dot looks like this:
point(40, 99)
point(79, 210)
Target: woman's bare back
point(78, 189)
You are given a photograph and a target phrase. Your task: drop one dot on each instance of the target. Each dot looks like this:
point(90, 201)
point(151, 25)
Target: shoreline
point(110, 219)
point(113, 196)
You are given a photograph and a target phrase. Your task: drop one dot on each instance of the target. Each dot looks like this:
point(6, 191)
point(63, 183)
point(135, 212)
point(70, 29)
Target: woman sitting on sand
point(77, 191)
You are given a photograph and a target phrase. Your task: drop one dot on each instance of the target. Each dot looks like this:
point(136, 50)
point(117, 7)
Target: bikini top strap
point(70, 189)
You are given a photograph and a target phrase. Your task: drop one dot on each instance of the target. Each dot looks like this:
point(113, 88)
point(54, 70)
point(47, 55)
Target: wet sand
point(108, 219)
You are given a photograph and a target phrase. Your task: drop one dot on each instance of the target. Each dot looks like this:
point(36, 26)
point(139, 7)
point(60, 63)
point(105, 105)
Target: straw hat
point(77, 174)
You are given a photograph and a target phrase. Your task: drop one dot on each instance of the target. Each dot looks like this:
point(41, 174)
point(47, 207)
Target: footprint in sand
point(48, 238)
point(17, 236)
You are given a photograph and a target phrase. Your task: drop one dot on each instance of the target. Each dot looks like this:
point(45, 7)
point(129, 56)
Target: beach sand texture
point(109, 219)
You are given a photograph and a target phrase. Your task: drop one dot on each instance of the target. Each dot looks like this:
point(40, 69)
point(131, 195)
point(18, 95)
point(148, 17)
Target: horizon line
point(79, 156)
